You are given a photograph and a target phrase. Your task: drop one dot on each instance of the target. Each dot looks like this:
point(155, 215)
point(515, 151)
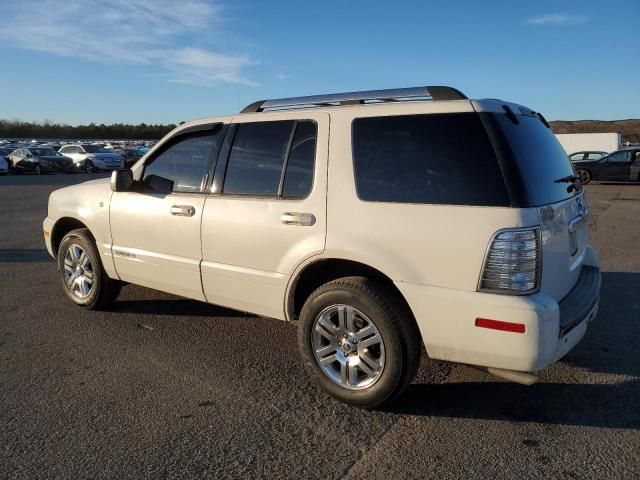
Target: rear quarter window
point(430, 159)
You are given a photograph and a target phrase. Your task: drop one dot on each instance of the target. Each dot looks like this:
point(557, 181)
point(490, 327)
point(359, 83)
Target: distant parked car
point(620, 166)
point(587, 156)
point(134, 154)
point(5, 151)
point(39, 160)
point(89, 158)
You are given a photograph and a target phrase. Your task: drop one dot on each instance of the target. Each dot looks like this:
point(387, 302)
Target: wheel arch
point(319, 271)
point(586, 169)
point(63, 226)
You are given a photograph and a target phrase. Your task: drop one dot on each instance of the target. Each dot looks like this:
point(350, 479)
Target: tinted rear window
point(436, 158)
point(256, 159)
point(538, 156)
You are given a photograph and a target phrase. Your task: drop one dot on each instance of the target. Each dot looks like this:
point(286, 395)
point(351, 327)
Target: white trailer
point(587, 142)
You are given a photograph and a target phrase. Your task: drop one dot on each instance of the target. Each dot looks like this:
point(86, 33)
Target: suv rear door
point(267, 209)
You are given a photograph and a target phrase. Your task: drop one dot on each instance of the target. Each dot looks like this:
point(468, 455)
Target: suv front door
point(156, 236)
point(267, 210)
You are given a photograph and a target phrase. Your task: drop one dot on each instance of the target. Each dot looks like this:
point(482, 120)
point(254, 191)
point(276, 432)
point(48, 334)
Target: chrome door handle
point(183, 210)
point(297, 218)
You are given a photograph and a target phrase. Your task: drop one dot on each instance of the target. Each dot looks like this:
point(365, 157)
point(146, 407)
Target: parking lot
point(159, 386)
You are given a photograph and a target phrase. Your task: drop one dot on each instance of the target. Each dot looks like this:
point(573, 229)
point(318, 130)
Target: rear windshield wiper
point(567, 179)
point(572, 179)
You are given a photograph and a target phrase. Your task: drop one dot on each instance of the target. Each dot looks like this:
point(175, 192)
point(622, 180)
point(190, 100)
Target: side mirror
point(121, 180)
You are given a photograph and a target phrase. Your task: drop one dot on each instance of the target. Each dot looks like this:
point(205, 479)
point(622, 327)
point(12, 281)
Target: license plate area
point(575, 228)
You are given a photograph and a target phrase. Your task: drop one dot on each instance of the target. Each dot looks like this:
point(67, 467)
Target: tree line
point(49, 130)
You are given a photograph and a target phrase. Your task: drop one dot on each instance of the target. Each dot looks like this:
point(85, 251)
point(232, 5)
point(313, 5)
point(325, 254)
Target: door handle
point(183, 210)
point(297, 218)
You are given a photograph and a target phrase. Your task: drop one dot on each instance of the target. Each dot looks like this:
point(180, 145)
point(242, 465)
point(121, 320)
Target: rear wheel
point(584, 175)
point(83, 277)
point(358, 341)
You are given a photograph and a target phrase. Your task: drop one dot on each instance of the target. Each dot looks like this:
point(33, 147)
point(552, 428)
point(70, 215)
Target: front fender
point(88, 204)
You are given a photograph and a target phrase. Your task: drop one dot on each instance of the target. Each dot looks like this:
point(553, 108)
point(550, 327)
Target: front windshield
point(95, 149)
point(44, 152)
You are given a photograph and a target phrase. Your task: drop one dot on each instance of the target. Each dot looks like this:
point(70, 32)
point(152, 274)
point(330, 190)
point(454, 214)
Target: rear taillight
point(512, 263)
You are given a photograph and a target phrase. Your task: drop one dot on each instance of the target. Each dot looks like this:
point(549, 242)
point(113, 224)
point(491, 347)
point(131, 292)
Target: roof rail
point(436, 93)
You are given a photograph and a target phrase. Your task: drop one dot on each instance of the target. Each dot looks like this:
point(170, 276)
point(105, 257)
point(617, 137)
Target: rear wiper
point(567, 179)
point(572, 179)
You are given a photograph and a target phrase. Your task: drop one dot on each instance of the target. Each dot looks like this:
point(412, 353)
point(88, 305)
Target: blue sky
point(161, 61)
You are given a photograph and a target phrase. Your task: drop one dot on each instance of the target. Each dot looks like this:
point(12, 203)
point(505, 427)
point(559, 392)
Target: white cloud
point(137, 32)
point(557, 19)
point(282, 76)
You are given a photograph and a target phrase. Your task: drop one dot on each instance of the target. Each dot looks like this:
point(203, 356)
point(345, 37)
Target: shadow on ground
point(55, 179)
point(24, 255)
point(593, 405)
point(177, 307)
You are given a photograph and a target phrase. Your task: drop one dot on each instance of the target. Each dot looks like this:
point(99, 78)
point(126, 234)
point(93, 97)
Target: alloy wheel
point(585, 177)
point(78, 271)
point(348, 347)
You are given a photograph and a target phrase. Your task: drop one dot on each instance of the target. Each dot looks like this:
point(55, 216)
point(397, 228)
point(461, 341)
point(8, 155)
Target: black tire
point(37, 169)
point(88, 167)
point(584, 175)
point(104, 290)
point(395, 324)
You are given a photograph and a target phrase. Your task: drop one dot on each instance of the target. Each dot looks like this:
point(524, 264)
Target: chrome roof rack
point(436, 93)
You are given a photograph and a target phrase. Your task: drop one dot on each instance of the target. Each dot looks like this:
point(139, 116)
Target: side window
point(618, 157)
point(298, 177)
point(256, 158)
point(594, 156)
point(436, 159)
point(186, 161)
point(576, 156)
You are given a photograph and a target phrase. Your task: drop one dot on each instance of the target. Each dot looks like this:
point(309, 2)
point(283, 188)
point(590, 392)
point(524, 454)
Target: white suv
point(91, 157)
point(378, 221)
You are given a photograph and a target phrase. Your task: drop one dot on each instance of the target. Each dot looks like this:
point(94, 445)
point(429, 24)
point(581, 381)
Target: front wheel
point(88, 167)
point(83, 277)
point(359, 341)
point(37, 170)
point(584, 175)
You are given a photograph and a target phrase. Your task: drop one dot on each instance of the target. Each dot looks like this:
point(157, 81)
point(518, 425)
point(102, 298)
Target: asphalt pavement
point(163, 387)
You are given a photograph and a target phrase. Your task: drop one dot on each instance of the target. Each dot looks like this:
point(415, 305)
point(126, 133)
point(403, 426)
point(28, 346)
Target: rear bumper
point(446, 319)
